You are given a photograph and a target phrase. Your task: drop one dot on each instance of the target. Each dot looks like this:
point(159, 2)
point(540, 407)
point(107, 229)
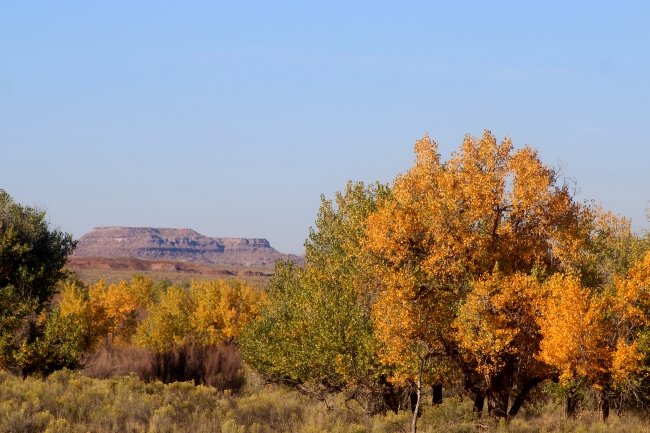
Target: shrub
point(220, 367)
point(32, 257)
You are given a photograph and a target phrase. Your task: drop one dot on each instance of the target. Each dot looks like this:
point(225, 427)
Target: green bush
point(32, 260)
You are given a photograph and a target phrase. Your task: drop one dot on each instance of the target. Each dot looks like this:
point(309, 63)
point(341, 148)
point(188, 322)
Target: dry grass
point(218, 367)
point(108, 362)
point(204, 272)
point(71, 402)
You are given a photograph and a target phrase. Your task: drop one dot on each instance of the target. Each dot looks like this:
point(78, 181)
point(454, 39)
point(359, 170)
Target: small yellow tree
point(90, 315)
point(107, 311)
point(594, 335)
point(208, 313)
point(221, 309)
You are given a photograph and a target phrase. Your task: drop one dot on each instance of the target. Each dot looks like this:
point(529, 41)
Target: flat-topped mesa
point(179, 245)
point(236, 244)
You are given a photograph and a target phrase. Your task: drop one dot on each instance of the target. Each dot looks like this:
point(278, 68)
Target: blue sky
point(232, 118)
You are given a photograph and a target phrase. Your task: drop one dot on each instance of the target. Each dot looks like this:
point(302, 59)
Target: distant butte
point(183, 245)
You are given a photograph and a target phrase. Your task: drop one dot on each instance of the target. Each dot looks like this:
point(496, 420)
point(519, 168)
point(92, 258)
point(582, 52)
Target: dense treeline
point(50, 320)
point(481, 274)
point(160, 331)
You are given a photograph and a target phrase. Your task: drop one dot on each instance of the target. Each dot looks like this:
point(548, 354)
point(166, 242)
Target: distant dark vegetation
point(469, 294)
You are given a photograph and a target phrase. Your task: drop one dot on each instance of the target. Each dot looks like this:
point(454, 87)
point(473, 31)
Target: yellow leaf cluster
point(107, 311)
point(574, 330)
point(221, 309)
point(498, 318)
point(208, 313)
point(447, 227)
point(594, 334)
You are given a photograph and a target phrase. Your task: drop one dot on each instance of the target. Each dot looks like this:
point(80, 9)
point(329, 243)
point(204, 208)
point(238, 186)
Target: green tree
point(32, 260)
point(315, 331)
point(51, 343)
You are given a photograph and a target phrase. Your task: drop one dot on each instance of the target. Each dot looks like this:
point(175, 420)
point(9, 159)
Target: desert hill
point(180, 245)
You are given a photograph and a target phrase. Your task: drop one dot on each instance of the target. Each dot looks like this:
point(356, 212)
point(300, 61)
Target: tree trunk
point(414, 423)
point(603, 405)
point(571, 403)
point(436, 395)
point(522, 396)
point(413, 398)
point(389, 395)
point(479, 402)
point(499, 390)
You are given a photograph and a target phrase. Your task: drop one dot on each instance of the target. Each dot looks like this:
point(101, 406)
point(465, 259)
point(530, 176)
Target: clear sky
point(232, 118)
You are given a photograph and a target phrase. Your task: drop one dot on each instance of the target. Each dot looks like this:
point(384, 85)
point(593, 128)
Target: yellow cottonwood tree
point(447, 227)
point(168, 321)
point(107, 311)
point(573, 326)
point(90, 316)
point(630, 313)
point(594, 335)
point(222, 308)
point(120, 305)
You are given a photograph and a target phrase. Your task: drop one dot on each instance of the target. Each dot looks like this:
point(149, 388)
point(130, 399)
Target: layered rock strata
point(183, 245)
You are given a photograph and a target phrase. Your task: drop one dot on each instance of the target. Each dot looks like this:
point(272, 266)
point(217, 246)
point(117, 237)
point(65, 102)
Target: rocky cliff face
point(183, 245)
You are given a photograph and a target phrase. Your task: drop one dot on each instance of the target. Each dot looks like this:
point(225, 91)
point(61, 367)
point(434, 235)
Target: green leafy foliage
point(315, 332)
point(32, 259)
point(51, 344)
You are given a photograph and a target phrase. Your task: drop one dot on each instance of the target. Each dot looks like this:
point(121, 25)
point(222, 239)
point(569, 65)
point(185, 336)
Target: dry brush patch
point(70, 402)
point(220, 367)
point(116, 269)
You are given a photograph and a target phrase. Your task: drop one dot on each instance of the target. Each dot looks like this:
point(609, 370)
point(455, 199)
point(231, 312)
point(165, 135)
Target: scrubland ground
point(71, 402)
point(115, 269)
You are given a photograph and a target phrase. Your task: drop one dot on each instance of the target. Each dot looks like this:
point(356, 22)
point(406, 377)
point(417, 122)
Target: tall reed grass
point(220, 367)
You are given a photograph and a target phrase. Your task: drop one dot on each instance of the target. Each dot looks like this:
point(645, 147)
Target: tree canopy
point(315, 331)
point(482, 270)
point(32, 260)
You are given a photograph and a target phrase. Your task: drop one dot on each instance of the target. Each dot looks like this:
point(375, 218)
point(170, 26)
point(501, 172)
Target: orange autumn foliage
point(459, 244)
point(498, 320)
point(107, 312)
point(594, 335)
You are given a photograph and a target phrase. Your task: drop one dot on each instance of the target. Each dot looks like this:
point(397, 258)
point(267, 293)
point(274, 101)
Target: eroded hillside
point(183, 245)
